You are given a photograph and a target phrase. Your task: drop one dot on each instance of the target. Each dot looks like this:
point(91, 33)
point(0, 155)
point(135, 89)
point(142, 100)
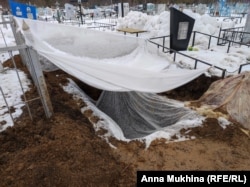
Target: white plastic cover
point(105, 60)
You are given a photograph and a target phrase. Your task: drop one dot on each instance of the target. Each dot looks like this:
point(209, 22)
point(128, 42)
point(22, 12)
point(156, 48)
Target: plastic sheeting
point(232, 95)
point(105, 60)
point(130, 70)
point(141, 114)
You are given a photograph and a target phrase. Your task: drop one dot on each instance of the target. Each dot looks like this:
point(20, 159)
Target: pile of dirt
point(65, 150)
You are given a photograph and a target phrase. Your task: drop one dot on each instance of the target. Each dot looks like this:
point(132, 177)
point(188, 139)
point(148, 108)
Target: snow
point(157, 25)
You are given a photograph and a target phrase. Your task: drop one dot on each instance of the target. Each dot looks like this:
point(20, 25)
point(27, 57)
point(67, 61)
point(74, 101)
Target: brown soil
point(65, 150)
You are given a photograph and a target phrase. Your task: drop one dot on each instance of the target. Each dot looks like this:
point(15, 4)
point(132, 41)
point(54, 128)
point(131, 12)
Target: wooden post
point(38, 78)
point(31, 59)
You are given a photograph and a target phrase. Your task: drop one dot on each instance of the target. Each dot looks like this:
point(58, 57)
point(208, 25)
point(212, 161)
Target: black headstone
point(181, 27)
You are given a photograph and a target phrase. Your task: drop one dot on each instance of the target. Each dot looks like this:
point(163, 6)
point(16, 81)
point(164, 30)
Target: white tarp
point(105, 60)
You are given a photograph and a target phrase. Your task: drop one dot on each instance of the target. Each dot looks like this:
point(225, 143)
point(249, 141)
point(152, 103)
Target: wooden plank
point(131, 30)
